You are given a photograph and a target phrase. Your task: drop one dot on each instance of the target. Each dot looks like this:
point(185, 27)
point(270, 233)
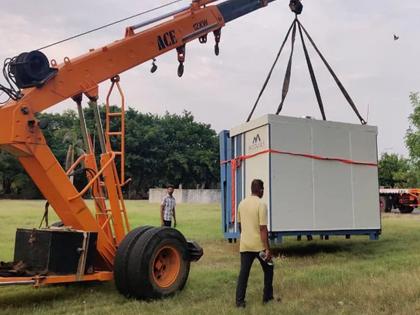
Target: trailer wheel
point(382, 201)
point(388, 204)
point(158, 264)
point(406, 209)
point(122, 256)
point(385, 204)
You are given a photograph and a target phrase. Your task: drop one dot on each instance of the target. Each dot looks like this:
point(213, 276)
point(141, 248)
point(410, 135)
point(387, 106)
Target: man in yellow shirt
point(252, 218)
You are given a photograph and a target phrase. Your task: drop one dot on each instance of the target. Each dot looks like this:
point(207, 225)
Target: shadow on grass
point(368, 248)
point(23, 298)
point(18, 297)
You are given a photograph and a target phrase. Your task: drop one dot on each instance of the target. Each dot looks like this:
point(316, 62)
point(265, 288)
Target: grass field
point(338, 276)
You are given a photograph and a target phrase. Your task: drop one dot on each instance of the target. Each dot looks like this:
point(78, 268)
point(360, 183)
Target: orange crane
point(97, 245)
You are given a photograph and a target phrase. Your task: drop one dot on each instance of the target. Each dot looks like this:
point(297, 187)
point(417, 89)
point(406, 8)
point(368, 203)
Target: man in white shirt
point(167, 208)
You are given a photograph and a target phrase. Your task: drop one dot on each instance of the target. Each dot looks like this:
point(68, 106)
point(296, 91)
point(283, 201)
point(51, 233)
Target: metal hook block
point(181, 53)
point(217, 35)
point(296, 6)
point(181, 58)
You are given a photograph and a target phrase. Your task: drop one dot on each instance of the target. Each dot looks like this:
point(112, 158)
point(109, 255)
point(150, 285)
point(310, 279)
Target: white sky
point(355, 36)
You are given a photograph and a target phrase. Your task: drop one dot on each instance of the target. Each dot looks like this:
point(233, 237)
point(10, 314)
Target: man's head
point(257, 188)
point(170, 190)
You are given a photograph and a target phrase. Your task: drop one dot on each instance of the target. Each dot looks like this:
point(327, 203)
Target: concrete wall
point(186, 195)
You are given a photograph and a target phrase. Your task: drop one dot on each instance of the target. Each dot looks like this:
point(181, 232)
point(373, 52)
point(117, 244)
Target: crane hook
point(154, 66)
point(181, 58)
point(217, 34)
point(180, 69)
point(296, 6)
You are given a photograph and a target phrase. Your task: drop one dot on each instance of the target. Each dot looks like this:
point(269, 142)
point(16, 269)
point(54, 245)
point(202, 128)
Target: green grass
point(338, 276)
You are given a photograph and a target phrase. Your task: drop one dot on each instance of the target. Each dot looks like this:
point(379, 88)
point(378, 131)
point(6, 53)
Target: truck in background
point(405, 199)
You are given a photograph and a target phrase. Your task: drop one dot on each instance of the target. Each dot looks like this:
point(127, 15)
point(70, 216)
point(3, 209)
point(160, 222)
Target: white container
point(320, 177)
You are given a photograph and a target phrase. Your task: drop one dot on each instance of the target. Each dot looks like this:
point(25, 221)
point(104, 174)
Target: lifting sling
point(296, 24)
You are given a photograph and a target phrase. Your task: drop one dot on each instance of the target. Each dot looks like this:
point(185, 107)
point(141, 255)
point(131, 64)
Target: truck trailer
point(406, 200)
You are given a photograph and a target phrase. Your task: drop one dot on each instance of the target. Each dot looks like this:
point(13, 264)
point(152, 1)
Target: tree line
point(175, 149)
point(160, 150)
point(399, 171)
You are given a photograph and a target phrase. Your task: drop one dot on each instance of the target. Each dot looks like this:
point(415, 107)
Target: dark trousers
point(247, 258)
point(167, 223)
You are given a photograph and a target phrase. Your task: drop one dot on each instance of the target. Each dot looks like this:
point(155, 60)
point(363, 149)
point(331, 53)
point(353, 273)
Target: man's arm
point(264, 236)
point(262, 212)
point(174, 217)
point(162, 208)
point(239, 219)
point(264, 239)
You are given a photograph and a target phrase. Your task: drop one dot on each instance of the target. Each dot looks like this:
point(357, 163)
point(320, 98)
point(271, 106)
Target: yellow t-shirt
point(252, 213)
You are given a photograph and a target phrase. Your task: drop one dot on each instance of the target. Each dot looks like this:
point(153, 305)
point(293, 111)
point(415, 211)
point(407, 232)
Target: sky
point(356, 37)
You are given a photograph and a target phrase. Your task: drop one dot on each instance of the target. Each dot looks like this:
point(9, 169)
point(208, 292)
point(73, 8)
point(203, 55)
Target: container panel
point(333, 198)
point(365, 180)
point(363, 145)
point(257, 167)
point(367, 213)
point(291, 178)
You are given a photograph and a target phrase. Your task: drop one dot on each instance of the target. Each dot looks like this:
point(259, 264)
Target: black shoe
point(241, 304)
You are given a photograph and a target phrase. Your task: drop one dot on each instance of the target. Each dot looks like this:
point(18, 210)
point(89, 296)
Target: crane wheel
point(406, 209)
point(158, 265)
point(122, 256)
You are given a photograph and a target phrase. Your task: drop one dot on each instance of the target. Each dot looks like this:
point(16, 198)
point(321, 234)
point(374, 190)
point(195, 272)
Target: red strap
point(236, 163)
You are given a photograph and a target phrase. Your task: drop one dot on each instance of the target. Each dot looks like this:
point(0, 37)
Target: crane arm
point(84, 73)
point(234, 9)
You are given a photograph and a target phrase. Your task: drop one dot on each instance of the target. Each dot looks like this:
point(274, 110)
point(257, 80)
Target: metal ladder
point(120, 150)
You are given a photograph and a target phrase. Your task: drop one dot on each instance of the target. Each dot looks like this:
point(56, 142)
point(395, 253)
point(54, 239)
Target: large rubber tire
point(385, 204)
point(406, 209)
point(382, 203)
point(158, 265)
point(122, 257)
point(388, 204)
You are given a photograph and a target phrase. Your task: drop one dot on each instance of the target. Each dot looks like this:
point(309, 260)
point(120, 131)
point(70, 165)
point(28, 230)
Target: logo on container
point(257, 143)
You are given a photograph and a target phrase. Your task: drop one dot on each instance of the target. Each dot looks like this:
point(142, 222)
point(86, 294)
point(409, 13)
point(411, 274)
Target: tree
point(9, 170)
point(169, 149)
point(394, 171)
point(14, 180)
point(159, 150)
point(412, 138)
point(62, 131)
